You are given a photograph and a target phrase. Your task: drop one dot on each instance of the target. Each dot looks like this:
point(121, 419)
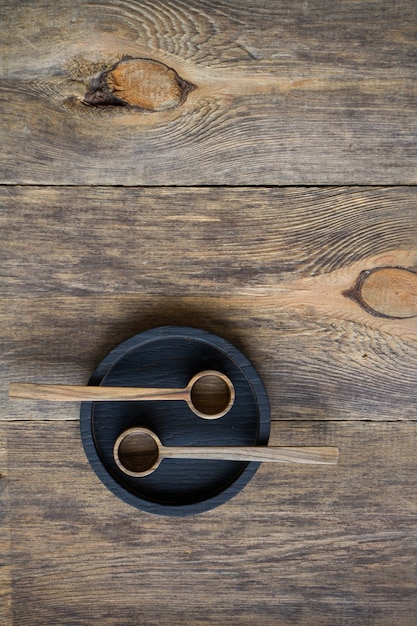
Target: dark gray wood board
point(287, 92)
point(267, 269)
point(314, 545)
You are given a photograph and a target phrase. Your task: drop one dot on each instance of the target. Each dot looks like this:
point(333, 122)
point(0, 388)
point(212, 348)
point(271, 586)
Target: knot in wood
point(387, 292)
point(141, 83)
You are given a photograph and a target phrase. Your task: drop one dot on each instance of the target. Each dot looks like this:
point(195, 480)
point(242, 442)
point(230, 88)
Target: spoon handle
point(70, 393)
point(280, 454)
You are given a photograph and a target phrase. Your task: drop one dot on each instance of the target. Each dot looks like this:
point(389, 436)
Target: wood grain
point(316, 285)
point(323, 544)
point(83, 270)
point(285, 93)
point(6, 583)
point(201, 241)
point(265, 268)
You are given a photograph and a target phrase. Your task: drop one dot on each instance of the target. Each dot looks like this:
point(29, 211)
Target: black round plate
point(169, 357)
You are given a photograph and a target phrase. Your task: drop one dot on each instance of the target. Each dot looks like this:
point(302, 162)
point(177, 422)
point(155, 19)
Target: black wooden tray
point(168, 357)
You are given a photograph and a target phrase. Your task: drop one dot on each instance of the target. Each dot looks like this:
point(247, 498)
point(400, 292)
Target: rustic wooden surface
point(317, 285)
point(288, 92)
point(304, 546)
point(271, 270)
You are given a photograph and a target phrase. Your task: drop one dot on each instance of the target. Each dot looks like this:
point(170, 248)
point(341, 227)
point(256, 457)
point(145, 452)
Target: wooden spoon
point(138, 452)
point(209, 394)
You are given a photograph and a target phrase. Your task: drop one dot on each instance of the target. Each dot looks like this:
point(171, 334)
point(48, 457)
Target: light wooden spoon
point(209, 394)
point(138, 452)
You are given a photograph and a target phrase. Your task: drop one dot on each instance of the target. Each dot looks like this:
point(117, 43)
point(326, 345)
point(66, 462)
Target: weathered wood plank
point(324, 545)
point(314, 367)
point(284, 93)
point(267, 269)
point(204, 241)
point(5, 539)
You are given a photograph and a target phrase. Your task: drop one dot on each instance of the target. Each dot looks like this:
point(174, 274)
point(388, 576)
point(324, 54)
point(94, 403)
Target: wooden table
point(244, 167)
